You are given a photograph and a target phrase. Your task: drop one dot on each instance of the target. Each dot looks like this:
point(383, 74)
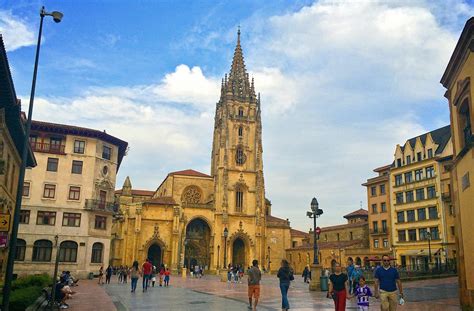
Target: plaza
point(208, 293)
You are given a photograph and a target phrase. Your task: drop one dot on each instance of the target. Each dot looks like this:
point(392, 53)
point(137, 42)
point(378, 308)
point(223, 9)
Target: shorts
point(254, 291)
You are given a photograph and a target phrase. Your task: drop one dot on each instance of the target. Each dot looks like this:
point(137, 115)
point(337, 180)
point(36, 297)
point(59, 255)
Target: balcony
point(100, 206)
point(47, 148)
point(383, 231)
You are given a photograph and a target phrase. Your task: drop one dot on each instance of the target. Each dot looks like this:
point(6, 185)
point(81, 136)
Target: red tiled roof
point(337, 227)
point(162, 201)
point(329, 245)
point(298, 233)
point(190, 172)
point(359, 212)
point(138, 192)
point(271, 218)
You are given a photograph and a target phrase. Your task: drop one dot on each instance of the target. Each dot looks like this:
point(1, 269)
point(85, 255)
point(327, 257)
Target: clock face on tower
point(240, 156)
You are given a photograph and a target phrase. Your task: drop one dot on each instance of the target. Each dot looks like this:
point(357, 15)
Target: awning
point(414, 252)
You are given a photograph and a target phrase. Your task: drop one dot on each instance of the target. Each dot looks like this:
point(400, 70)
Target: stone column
point(315, 284)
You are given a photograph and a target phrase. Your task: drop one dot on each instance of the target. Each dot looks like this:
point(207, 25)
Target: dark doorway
point(197, 244)
point(238, 253)
point(154, 254)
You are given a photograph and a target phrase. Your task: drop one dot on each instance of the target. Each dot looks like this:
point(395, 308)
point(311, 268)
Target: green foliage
point(41, 280)
point(21, 298)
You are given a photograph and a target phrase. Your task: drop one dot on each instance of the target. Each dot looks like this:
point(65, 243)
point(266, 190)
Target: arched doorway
point(155, 254)
point(197, 244)
point(238, 253)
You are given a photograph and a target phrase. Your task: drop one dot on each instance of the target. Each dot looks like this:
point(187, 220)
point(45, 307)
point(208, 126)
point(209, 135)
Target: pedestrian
point(362, 292)
point(167, 277)
point(285, 275)
point(196, 271)
point(254, 277)
point(338, 288)
point(134, 275)
point(162, 273)
point(146, 269)
point(153, 276)
point(305, 274)
point(101, 275)
point(236, 274)
point(350, 270)
point(125, 274)
point(356, 275)
point(229, 273)
point(120, 274)
point(387, 280)
point(108, 274)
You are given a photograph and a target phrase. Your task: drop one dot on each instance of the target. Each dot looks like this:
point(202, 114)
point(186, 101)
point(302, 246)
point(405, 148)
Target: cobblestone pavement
point(209, 293)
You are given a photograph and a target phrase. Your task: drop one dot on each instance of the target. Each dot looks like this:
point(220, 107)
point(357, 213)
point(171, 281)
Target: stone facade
point(183, 223)
point(457, 80)
point(68, 200)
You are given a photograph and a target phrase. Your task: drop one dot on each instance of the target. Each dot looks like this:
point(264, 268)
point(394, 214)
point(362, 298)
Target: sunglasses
point(386, 260)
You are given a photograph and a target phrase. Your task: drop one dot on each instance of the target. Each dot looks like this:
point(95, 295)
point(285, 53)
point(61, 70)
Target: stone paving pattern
point(209, 293)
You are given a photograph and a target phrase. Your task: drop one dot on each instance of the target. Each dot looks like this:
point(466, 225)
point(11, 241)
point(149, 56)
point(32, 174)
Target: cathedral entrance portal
point(197, 244)
point(154, 254)
point(238, 253)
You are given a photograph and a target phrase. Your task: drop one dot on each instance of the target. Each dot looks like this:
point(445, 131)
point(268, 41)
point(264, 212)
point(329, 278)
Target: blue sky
point(342, 83)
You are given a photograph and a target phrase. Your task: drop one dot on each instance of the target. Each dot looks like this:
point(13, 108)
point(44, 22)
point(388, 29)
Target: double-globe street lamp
point(57, 17)
point(226, 234)
point(315, 283)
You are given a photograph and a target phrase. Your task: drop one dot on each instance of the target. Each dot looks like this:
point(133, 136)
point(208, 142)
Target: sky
point(342, 83)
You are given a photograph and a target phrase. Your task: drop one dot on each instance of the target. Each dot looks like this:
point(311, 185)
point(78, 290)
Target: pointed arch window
point(241, 112)
point(240, 156)
point(241, 131)
point(465, 122)
point(239, 200)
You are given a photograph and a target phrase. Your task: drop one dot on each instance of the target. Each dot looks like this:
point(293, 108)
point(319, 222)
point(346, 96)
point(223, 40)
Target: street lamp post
point(218, 256)
point(315, 267)
point(428, 236)
point(56, 265)
point(57, 16)
point(226, 234)
point(269, 260)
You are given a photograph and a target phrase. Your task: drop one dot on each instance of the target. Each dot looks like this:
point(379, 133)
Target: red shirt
point(167, 273)
point(147, 267)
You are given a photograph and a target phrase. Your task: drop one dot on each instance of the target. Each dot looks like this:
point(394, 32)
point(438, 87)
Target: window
point(399, 162)
point(412, 235)
point(433, 212)
point(421, 214)
point(376, 243)
point(465, 123)
point(384, 226)
point(24, 216)
point(26, 189)
point(382, 189)
point(398, 180)
point(418, 174)
point(71, 220)
point(239, 156)
point(74, 193)
point(408, 159)
point(20, 250)
point(46, 218)
point(76, 167)
point(431, 192)
point(97, 250)
point(79, 146)
point(422, 233)
point(52, 165)
point(411, 216)
point(402, 236)
point(239, 201)
point(375, 225)
point(420, 194)
point(408, 177)
point(399, 197)
point(106, 152)
point(383, 207)
point(434, 233)
point(100, 222)
point(429, 172)
point(430, 153)
point(453, 232)
point(409, 196)
point(374, 208)
point(241, 112)
point(400, 217)
point(55, 144)
point(102, 199)
point(338, 236)
point(385, 243)
point(373, 191)
point(351, 236)
point(49, 191)
point(42, 250)
point(418, 156)
point(68, 251)
point(241, 131)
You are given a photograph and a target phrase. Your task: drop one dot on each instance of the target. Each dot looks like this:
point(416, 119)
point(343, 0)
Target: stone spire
point(127, 187)
point(238, 83)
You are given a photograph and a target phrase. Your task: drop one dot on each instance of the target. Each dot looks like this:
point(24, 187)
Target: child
point(167, 277)
point(363, 293)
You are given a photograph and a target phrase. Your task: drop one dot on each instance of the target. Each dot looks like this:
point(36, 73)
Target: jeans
point(146, 277)
point(284, 295)
point(134, 284)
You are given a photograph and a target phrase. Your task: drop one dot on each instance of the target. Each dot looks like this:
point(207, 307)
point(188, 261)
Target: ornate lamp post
point(315, 267)
point(57, 16)
point(428, 236)
point(56, 265)
point(269, 260)
point(226, 234)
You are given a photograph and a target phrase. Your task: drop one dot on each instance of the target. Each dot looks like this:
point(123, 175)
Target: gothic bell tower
point(237, 165)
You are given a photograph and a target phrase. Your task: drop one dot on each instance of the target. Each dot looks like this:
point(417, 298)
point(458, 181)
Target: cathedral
point(210, 220)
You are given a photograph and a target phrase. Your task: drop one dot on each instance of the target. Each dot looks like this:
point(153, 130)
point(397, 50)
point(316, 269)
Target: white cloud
point(16, 31)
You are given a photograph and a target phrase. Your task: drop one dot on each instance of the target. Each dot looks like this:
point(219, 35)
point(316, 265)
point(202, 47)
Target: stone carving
point(191, 195)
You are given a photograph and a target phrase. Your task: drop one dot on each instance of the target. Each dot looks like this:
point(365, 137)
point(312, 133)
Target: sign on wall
point(4, 222)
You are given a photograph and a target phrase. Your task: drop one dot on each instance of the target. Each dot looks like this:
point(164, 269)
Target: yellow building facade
point(457, 80)
point(422, 219)
point(210, 220)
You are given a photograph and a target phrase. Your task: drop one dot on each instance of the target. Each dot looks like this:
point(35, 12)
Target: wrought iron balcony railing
point(97, 205)
point(47, 148)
